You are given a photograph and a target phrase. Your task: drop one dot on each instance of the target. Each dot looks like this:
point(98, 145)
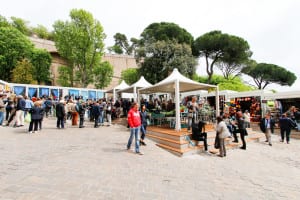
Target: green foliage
point(65, 75)
point(165, 31)
point(121, 45)
point(130, 75)
point(235, 84)
point(4, 22)
point(21, 25)
point(22, 73)
point(42, 32)
point(229, 52)
point(264, 74)
point(163, 56)
point(103, 74)
point(81, 42)
point(41, 61)
point(14, 46)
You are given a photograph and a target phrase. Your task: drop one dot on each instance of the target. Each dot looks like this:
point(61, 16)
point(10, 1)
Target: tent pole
point(178, 123)
point(217, 102)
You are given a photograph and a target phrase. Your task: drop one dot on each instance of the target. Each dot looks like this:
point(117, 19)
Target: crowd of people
point(16, 109)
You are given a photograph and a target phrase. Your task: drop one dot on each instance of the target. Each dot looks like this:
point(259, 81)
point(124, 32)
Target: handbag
point(27, 118)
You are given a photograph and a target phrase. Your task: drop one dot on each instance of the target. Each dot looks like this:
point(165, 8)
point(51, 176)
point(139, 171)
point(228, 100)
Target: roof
point(121, 86)
point(141, 83)
point(167, 85)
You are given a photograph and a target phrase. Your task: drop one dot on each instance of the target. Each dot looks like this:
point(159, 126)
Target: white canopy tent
point(121, 86)
point(177, 83)
point(141, 83)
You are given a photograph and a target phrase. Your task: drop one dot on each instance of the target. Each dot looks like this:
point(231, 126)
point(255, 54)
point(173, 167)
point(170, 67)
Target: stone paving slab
point(92, 163)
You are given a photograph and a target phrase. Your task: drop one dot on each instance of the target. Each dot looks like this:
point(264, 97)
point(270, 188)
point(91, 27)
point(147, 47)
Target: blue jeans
point(1, 117)
point(101, 118)
point(136, 132)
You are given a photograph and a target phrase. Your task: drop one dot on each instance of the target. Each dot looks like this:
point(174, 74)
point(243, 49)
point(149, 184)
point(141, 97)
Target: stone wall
point(119, 62)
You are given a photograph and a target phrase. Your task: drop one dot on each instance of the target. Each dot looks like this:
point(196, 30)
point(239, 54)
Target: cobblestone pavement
point(92, 163)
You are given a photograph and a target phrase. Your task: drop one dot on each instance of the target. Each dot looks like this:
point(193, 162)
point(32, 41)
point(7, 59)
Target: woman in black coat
point(36, 117)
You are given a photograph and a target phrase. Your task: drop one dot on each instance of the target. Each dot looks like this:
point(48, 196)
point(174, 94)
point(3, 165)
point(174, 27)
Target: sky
point(271, 27)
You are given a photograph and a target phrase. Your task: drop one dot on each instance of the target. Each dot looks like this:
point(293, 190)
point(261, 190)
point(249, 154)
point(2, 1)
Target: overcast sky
point(271, 27)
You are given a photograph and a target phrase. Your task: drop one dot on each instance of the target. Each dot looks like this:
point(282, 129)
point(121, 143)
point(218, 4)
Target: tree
point(264, 74)
point(20, 25)
point(14, 46)
point(41, 61)
point(165, 31)
point(121, 45)
point(81, 42)
point(4, 22)
point(64, 77)
point(103, 74)
point(42, 32)
point(130, 75)
point(163, 57)
point(22, 73)
point(229, 52)
point(235, 83)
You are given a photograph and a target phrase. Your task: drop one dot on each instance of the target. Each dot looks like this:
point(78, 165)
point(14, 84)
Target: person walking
point(247, 118)
point(134, 122)
point(108, 113)
point(286, 125)
point(223, 133)
point(267, 125)
point(36, 115)
point(96, 113)
point(144, 124)
point(241, 129)
point(20, 111)
point(2, 109)
point(192, 112)
point(60, 114)
point(81, 111)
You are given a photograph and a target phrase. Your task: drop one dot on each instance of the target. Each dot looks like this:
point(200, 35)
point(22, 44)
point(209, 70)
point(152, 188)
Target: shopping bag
point(27, 118)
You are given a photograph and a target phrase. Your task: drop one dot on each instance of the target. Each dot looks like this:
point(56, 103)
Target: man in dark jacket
point(81, 112)
point(286, 124)
point(96, 113)
point(20, 111)
point(241, 129)
point(60, 114)
point(267, 125)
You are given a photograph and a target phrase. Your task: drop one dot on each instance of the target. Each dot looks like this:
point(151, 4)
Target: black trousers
point(96, 120)
point(242, 134)
point(81, 120)
point(286, 132)
point(33, 125)
point(201, 137)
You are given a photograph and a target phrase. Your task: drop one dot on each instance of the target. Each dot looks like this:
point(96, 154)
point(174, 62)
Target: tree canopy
point(264, 74)
point(166, 31)
point(235, 83)
point(228, 51)
point(81, 42)
point(121, 45)
point(163, 56)
point(14, 46)
point(103, 74)
point(130, 75)
point(41, 61)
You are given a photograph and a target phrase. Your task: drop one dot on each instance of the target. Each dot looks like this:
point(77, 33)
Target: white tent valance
point(141, 83)
point(177, 83)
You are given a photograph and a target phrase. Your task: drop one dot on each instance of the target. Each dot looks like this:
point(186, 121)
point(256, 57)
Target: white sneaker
point(30, 132)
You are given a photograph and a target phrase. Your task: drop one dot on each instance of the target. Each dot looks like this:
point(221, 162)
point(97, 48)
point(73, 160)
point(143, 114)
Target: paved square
point(92, 163)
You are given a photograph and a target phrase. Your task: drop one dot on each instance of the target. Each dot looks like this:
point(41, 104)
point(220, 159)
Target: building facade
point(119, 62)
